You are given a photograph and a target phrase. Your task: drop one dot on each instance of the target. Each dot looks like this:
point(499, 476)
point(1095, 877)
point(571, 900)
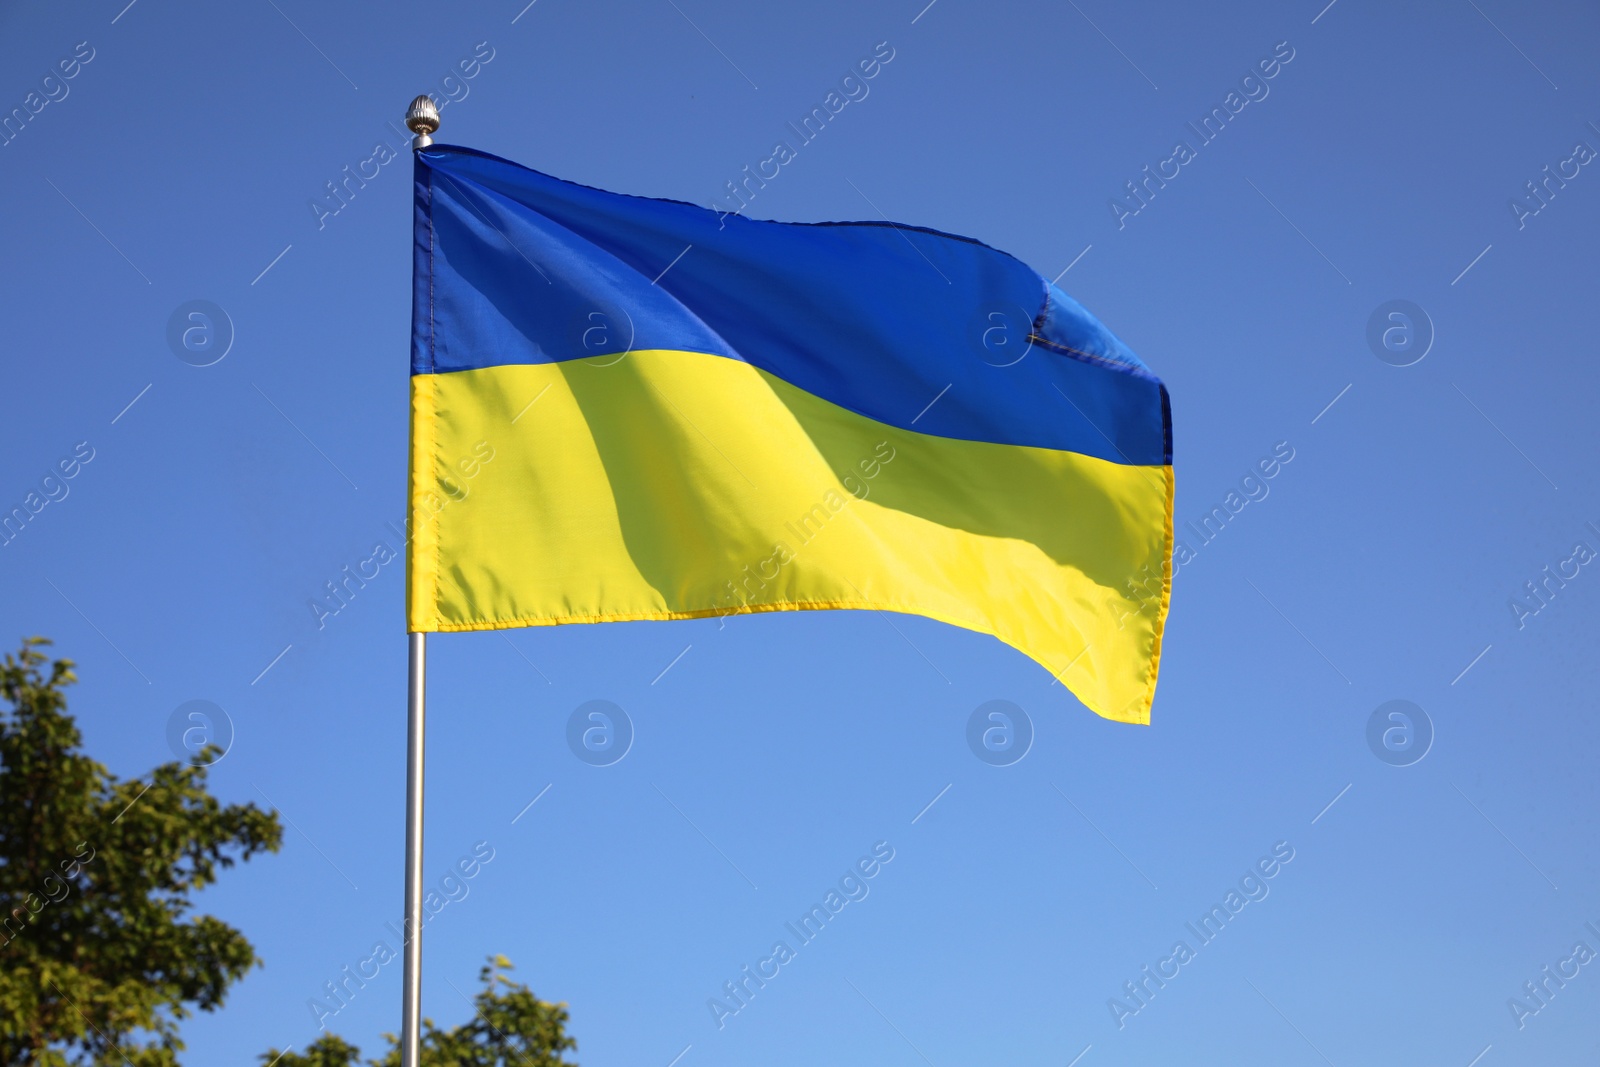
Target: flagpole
point(411, 1004)
point(422, 118)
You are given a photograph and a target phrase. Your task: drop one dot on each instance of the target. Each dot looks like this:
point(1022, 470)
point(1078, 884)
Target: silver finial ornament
point(422, 119)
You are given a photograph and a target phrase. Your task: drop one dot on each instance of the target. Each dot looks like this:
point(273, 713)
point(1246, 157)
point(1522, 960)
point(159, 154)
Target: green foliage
point(329, 1050)
point(99, 959)
point(509, 1027)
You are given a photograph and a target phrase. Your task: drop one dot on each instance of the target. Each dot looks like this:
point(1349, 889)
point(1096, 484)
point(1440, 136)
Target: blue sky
point(1379, 163)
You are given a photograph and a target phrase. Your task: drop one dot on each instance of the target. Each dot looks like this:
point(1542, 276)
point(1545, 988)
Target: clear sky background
point(1380, 165)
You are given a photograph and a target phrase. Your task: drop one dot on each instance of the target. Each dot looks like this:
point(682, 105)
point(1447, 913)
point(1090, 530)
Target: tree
point(510, 1028)
point(99, 957)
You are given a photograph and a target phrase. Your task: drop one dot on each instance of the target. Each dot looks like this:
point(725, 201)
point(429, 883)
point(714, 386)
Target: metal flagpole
point(411, 1004)
point(422, 119)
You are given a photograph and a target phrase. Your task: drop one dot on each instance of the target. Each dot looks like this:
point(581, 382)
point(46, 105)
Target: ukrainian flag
point(625, 408)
